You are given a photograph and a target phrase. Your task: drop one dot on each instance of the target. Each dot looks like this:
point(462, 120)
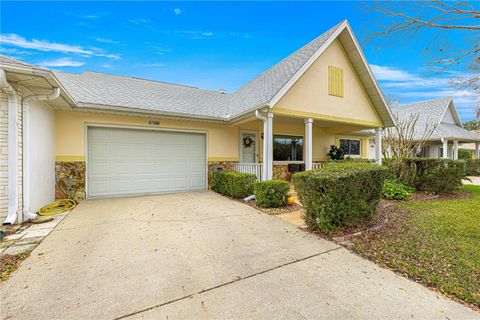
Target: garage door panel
point(130, 161)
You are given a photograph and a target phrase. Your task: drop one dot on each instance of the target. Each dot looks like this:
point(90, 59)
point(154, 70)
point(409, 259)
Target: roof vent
point(221, 90)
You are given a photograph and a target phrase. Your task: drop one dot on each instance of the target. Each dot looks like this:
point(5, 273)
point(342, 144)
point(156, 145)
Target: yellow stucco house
point(100, 135)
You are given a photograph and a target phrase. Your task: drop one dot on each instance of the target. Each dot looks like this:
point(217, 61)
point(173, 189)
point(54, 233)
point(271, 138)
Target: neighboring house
point(99, 135)
point(442, 115)
point(472, 147)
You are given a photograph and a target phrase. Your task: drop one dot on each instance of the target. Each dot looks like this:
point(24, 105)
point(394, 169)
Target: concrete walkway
point(202, 256)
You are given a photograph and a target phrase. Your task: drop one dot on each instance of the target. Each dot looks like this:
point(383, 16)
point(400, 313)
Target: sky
point(214, 45)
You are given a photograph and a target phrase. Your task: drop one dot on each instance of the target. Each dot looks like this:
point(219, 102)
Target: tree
point(405, 139)
point(446, 19)
point(471, 125)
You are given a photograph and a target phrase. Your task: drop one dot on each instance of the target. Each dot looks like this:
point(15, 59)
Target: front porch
point(275, 145)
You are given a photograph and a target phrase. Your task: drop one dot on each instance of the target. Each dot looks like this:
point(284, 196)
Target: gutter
point(12, 149)
point(27, 215)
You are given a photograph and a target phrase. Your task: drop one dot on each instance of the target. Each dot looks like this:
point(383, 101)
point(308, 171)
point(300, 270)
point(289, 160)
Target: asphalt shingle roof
point(431, 113)
point(111, 90)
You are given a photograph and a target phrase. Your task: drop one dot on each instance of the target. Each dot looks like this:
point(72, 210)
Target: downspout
point(12, 149)
point(27, 215)
point(265, 150)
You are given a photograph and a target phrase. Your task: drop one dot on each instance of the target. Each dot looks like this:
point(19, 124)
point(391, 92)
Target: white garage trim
point(134, 127)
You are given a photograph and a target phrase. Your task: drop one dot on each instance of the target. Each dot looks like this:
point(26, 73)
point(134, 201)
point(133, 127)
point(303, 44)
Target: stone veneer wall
point(214, 165)
point(280, 172)
point(70, 180)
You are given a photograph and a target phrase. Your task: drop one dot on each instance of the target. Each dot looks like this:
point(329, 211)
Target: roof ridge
point(424, 101)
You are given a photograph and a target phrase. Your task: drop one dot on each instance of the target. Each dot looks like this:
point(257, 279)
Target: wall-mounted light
point(154, 122)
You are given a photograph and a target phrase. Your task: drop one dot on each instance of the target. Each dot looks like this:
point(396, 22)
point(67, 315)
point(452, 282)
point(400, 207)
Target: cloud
point(14, 52)
point(196, 34)
point(107, 66)
point(105, 40)
point(62, 62)
point(139, 21)
point(161, 51)
point(410, 87)
point(153, 65)
point(42, 45)
point(177, 11)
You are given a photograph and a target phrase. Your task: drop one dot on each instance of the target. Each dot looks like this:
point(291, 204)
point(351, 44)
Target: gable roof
point(432, 112)
point(98, 90)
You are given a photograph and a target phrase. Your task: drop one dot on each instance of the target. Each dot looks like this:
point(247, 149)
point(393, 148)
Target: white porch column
point(455, 149)
point(308, 143)
point(445, 148)
point(265, 151)
point(378, 146)
point(269, 141)
point(477, 150)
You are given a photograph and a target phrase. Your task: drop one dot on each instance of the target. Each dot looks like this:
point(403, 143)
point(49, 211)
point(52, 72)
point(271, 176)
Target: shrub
point(336, 153)
point(233, 184)
point(430, 175)
point(394, 190)
point(472, 167)
point(341, 194)
point(464, 154)
point(273, 193)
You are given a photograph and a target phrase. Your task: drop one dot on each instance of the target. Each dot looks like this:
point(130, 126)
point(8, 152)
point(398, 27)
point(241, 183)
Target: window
point(287, 148)
point(440, 152)
point(335, 81)
point(350, 146)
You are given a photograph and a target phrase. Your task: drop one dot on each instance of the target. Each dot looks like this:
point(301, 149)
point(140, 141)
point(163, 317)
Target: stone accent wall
point(213, 166)
point(280, 172)
point(70, 180)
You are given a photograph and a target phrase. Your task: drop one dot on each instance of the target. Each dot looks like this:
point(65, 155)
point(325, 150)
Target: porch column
point(445, 148)
point(378, 146)
point(455, 149)
point(308, 143)
point(477, 150)
point(269, 141)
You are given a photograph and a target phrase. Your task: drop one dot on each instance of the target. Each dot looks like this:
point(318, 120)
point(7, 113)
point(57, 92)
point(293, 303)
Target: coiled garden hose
point(57, 207)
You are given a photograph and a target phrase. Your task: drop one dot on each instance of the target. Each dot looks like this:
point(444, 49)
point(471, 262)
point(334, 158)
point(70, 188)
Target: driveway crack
point(226, 283)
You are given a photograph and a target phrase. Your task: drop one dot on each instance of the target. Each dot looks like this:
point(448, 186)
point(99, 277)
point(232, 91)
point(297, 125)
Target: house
point(440, 115)
point(101, 135)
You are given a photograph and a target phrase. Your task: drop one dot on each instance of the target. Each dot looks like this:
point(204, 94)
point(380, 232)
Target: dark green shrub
point(472, 167)
point(430, 175)
point(394, 190)
point(336, 153)
point(233, 184)
point(271, 194)
point(464, 154)
point(341, 194)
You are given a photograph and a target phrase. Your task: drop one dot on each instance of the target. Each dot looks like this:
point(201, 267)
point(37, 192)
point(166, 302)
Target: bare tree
point(446, 19)
point(405, 139)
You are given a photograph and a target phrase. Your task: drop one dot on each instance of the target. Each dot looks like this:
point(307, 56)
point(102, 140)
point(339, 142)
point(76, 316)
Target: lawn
point(436, 243)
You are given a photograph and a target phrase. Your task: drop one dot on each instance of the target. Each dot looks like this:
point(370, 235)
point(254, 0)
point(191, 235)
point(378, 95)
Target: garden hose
point(57, 207)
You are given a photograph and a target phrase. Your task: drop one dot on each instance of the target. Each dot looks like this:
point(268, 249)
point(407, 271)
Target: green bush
point(394, 190)
point(472, 167)
point(341, 194)
point(271, 194)
point(464, 154)
point(430, 175)
point(233, 184)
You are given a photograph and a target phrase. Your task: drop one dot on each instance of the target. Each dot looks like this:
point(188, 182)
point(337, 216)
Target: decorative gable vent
point(335, 81)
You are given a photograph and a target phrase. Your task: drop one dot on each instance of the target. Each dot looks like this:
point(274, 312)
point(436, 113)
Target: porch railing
point(253, 168)
point(317, 165)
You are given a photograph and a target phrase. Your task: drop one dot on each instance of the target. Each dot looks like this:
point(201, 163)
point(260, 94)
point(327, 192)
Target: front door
point(248, 147)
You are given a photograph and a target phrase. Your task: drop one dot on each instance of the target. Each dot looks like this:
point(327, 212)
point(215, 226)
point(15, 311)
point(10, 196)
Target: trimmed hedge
point(271, 194)
point(472, 167)
point(340, 194)
point(430, 175)
point(233, 184)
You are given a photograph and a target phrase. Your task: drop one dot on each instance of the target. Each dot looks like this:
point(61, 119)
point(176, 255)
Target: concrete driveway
point(202, 256)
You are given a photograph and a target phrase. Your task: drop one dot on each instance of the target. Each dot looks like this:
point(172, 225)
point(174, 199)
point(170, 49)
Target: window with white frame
point(287, 148)
point(351, 147)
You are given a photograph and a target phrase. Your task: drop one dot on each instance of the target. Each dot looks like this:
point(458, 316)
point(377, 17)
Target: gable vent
point(335, 81)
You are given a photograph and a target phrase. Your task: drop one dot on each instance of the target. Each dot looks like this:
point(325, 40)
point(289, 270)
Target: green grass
point(434, 242)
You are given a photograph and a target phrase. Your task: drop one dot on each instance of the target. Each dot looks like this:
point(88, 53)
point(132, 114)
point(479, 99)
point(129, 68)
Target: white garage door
point(130, 161)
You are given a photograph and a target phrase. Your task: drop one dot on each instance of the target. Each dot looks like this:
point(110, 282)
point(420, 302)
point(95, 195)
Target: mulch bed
point(10, 263)
point(273, 211)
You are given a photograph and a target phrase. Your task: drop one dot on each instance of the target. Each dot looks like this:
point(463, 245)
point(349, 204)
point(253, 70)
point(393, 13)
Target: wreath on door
point(248, 141)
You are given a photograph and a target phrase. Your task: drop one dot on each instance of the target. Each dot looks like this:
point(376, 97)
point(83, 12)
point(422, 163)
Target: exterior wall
point(448, 117)
point(4, 155)
point(42, 152)
point(309, 95)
